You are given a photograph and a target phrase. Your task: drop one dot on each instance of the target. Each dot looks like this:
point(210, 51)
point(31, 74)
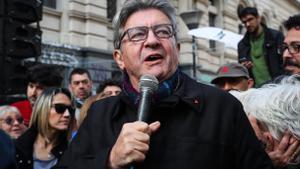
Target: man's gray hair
point(275, 105)
point(132, 6)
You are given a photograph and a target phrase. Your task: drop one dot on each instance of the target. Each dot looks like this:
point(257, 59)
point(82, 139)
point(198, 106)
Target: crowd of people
point(248, 118)
point(269, 106)
point(43, 125)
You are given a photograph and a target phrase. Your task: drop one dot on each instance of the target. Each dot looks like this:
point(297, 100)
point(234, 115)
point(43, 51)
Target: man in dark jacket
point(190, 125)
point(258, 49)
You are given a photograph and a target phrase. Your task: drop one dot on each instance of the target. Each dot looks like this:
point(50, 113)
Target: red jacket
point(25, 110)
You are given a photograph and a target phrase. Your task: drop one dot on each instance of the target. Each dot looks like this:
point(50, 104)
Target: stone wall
point(84, 23)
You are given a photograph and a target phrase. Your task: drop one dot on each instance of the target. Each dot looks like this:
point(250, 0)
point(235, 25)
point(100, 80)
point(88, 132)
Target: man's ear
point(250, 83)
point(259, 19)
point(118, 57)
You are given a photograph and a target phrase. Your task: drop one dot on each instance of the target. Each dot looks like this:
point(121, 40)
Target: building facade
point(78, 33)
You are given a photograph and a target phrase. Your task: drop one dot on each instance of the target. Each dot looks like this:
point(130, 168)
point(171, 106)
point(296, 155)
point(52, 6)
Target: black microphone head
point(148, 82)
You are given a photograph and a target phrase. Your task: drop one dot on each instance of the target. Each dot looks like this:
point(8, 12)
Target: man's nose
point(227, 87)
point(247, 24)
point(152, 40)
point(34, 91)
point(286, 54)
point(81, 85)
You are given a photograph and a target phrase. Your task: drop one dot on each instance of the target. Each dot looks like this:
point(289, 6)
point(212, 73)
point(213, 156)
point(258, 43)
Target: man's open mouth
point(153, 58)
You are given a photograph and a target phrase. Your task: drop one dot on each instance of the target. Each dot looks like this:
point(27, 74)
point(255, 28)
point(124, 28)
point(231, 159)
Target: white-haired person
point(274, 112)
point(11, 121)
point(47, 137)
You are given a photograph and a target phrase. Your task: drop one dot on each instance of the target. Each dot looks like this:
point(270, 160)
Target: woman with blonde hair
point(42, 145)
point(86, 105)
point(11, 121)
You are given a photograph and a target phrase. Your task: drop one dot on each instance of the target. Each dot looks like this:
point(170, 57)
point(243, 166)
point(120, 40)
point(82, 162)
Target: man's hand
point(247, 64)
point(281, 153)
point(286, 151)
point(132, 144)
point(254, 124)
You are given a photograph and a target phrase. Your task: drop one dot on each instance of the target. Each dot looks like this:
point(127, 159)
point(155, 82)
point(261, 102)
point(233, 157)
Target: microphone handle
point(144, 105)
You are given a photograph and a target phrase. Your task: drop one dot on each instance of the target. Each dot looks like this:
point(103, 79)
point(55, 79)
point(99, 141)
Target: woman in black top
point(50, 126)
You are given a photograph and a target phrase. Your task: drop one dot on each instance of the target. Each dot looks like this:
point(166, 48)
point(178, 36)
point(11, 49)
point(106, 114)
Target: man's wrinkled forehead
point(79, 77)
point(151, 14)
point(292, 36)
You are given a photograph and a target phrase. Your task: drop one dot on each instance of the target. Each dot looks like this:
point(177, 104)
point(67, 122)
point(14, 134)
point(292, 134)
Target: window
point(241, 29)
point(50, 3)
point(264, 20)
point(111, 9)
point(282, 29)
point(212, 21)
point(212, 2)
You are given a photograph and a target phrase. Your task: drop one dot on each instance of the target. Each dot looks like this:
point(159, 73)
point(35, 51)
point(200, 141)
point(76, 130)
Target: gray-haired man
point(191, 125)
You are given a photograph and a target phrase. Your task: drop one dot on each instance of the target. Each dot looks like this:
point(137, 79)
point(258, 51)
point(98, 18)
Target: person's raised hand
point(283, 153)
point(132, 144)
point(247, 64)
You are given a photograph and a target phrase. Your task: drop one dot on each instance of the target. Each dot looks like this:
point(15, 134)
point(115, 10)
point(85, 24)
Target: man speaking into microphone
point(181, 124)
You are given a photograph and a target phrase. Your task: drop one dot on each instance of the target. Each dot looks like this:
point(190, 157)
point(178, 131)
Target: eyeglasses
point(138, 34)
point(61, 108)
point(293, 48)
point(10, 121)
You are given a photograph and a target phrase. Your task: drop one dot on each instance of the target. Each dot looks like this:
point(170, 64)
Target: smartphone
point(243, 59)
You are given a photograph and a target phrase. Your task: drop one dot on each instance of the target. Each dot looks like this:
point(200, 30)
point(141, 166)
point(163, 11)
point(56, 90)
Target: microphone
point(148, 85)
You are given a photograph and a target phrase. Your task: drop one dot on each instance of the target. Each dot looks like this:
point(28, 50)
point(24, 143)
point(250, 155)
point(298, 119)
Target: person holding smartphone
point(258, 49)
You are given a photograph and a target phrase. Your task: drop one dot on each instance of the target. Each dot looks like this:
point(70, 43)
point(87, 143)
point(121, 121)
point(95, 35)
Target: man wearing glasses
point(288, 149)
point(291, 47)
point(190, 125)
